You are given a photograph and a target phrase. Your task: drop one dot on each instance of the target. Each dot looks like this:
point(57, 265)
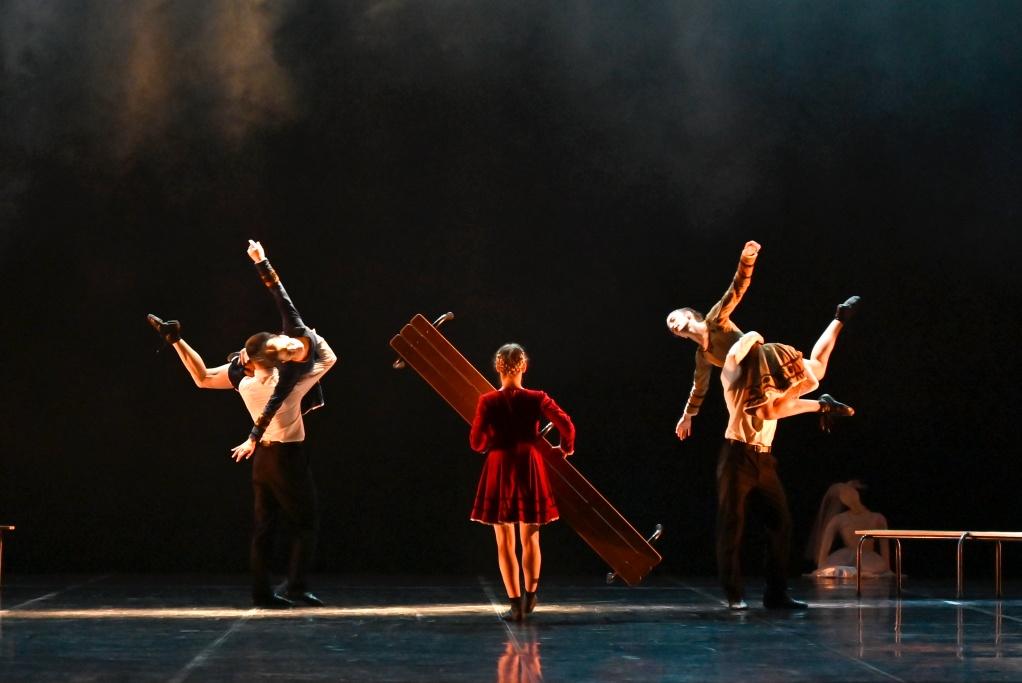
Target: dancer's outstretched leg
point(791, 402)
point(820, 354)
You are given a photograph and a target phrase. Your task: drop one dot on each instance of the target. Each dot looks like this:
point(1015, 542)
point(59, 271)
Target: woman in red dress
point(514, 487)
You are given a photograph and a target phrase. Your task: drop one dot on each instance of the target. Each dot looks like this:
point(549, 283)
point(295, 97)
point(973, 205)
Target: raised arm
point(290, 321)
point(290, 372)
point(740, 282)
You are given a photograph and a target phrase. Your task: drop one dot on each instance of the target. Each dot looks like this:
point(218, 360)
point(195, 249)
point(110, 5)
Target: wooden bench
point(3, 528)
point(897, 535)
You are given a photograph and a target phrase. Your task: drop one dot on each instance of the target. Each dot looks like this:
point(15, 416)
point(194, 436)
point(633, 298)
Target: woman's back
point(512, 415)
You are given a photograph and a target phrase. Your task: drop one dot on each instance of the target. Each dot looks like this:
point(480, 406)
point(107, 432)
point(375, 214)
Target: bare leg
point(825, 344)
point(507, 559)
point(531, 556)
point(820, 355)
point(787, 408)
point(790, 403)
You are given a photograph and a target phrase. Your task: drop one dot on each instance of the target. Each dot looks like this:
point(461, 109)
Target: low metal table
point(897, 535)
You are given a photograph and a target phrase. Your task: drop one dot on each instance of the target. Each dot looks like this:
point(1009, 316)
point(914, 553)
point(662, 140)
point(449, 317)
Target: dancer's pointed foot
point(170, 330)
point(846, 310)
point(831, 408)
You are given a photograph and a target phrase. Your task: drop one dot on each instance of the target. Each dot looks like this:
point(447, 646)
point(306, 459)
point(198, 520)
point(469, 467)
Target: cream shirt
point(287, 425)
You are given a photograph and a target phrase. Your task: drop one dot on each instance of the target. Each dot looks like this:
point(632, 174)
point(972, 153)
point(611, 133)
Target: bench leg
point(897, 564)
point(858, 567)
point(960, 558)
point(998, 557)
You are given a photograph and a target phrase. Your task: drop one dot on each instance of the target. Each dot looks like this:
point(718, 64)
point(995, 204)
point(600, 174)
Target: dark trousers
point(284, 494)
point(746, 476)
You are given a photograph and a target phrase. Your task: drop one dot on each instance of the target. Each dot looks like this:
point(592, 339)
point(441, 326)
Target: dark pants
point(284, 493)
point(744, 476)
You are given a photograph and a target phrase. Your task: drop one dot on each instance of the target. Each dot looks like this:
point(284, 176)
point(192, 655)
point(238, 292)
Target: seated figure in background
point(841, 514)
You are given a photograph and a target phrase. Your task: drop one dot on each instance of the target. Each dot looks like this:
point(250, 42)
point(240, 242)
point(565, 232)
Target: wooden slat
point(461, 365)
point(581, 506)
point(455, 395)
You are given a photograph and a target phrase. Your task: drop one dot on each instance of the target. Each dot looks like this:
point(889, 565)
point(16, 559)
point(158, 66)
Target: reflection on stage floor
point(99, 628)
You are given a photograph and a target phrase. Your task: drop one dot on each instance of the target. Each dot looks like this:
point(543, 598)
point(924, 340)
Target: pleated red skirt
point(514, 487)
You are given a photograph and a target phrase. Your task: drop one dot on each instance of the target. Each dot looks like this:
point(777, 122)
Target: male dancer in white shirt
point(278, 377)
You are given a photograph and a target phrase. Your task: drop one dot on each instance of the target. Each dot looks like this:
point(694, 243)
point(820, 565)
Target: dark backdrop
point(558, 174)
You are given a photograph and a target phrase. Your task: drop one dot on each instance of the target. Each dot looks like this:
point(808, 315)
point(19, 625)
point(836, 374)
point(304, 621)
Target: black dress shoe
point(272, 601)
point(831, 408)
point(308, 599)
point(530, 601)
point(516, 612)
point(783, 601)
point(846, 310)
point(170, 330)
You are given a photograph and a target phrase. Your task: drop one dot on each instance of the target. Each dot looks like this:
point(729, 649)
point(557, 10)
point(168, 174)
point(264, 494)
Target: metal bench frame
point(897, 535)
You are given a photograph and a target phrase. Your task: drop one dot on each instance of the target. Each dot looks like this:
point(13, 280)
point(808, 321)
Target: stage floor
point(102, 628)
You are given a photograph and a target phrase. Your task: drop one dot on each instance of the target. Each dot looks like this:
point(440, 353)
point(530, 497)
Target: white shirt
point(287, 425)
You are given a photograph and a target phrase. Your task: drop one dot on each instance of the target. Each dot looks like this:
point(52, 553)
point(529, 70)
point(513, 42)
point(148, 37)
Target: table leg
point(960, 584)
point(897, 564)
point(858, 567)
point(998, 557)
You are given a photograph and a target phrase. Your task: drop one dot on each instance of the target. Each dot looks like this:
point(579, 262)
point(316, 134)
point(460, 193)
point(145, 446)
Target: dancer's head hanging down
point(686, 323)
point(270, 350)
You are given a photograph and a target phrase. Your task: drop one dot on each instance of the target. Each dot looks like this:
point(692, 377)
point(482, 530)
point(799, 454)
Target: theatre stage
point(179, 628)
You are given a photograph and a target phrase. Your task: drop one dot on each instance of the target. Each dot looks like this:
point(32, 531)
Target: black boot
point(530, 601)
point(515, 613)
point(846, 310)
point(169, 330)
point(831, 408)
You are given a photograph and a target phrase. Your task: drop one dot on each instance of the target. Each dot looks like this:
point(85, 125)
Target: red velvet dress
point(514, 486)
